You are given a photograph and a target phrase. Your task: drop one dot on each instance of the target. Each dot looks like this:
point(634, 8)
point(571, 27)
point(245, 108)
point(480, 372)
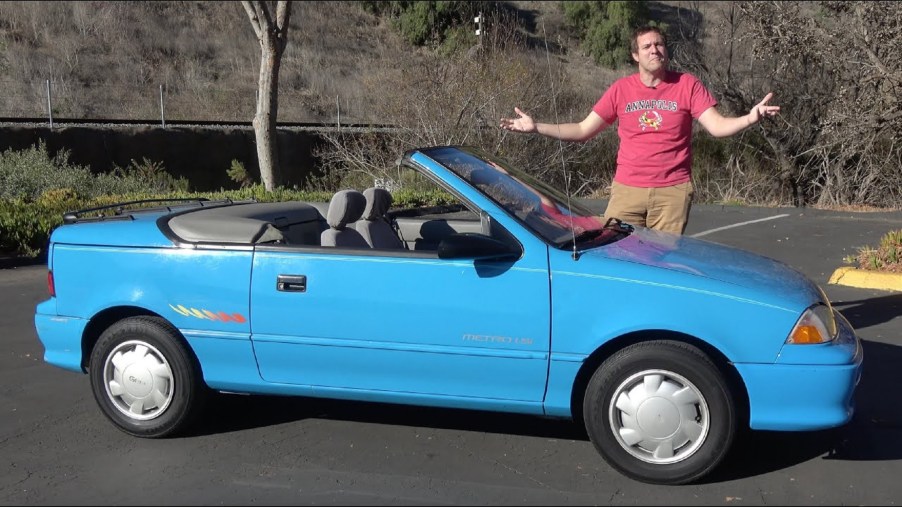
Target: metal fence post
point(162, 115)
point(478, 20)
point(49, 105)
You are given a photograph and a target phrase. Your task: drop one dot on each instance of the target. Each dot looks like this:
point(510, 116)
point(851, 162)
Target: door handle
point(291, 283)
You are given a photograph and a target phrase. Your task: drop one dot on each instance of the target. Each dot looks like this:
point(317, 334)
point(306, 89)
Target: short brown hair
point(642, 30)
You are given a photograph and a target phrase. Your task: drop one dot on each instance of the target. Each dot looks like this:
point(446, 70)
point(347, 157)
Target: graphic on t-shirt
point(650, 119)
point(663, 105)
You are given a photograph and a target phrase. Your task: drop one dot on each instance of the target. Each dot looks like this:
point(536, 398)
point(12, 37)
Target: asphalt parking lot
point(58, 449)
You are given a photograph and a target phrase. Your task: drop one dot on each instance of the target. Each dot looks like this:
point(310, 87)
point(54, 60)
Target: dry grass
point(857, 208)
point(108, 60)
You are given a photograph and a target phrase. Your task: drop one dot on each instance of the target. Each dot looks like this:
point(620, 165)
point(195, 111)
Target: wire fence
point(54, 100)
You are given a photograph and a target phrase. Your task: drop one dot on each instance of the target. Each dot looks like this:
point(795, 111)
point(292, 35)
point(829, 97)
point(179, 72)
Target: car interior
point(351, 219)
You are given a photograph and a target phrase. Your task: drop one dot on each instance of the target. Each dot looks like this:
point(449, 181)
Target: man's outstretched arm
point(582, 131)
point(721, 126)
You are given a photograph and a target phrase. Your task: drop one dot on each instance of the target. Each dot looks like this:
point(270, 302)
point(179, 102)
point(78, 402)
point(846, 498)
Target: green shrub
point(886, 257)
point(605, 28)
point(407, 198)
point(24, 227)
point(149, 176)
point(26, 174)
point(431, 22)
point(259, 193)
point(238, 174)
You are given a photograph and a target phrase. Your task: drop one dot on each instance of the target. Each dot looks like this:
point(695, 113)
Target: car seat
point(345, 208)
point(374, 226)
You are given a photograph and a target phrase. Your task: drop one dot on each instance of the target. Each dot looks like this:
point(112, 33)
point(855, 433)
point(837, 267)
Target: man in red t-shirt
point(654, 108)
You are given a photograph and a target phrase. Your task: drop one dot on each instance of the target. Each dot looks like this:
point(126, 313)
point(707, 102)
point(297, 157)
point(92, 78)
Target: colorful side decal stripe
point(208, 315)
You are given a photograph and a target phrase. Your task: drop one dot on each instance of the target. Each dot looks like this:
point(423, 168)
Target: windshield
point(540, 207)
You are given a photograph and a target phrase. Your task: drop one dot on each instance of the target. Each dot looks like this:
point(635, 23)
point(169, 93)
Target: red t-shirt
point(655, 127)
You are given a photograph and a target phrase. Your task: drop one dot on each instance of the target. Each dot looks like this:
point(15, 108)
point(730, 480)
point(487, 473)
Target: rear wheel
point(145, 379)
point(660, 412)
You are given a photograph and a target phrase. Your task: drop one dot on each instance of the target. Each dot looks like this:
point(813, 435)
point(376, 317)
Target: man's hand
point(762, 109)
point(524, 123)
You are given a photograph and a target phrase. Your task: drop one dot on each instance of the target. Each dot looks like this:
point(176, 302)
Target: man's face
point(652, 55)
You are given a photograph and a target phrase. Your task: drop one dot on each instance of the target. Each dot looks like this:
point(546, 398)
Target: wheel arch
point(734, 379)
point(106, 318)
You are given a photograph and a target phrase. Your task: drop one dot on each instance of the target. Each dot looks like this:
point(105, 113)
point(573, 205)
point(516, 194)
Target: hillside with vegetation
point(419, 66)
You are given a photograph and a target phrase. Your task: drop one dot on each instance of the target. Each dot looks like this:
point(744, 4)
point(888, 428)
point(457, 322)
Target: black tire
point(145, 379)
point(660, 412)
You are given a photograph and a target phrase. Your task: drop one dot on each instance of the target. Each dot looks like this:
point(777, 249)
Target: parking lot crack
point(531, 478)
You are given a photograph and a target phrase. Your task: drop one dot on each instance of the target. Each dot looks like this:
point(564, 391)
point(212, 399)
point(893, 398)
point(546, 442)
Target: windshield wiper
point(615, 224)
point(582, 237)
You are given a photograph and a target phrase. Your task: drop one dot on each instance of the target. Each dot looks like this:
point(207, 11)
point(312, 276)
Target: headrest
point(345, 207)
point(378, 200)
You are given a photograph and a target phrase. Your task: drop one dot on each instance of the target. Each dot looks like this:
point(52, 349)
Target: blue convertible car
point(509, 298)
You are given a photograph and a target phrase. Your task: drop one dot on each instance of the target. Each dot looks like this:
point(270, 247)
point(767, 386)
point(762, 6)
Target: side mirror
point(472, 245)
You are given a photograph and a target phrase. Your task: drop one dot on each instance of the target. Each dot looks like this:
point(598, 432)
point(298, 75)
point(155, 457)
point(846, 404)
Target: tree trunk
point(265, 119)
point(272, 34)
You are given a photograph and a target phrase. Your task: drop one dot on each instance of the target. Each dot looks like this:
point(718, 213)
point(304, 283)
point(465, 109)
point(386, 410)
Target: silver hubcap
point(659, 416)
point(138, 380)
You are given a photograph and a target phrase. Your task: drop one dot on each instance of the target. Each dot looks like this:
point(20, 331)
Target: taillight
point(50, 287)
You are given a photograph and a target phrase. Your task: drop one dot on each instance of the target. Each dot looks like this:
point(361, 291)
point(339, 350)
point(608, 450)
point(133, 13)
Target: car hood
point(765, 279)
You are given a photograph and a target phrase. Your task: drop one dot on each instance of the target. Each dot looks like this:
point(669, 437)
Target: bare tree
point(273, 37)
point(837, 79)
point(457, 99)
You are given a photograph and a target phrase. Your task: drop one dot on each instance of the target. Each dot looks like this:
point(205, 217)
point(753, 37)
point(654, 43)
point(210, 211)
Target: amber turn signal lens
point(806, 334)
point(816, 325)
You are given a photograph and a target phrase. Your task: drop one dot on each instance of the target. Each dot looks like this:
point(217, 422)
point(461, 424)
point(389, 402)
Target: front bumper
point(809, 387)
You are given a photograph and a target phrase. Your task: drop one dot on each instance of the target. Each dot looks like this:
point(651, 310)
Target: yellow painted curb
point(864, 279)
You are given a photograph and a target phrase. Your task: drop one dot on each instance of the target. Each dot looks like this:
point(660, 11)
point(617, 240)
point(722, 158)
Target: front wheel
point(144, 378)
point(660, 412)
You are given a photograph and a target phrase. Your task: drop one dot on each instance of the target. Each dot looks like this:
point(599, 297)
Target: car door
point(402, 322)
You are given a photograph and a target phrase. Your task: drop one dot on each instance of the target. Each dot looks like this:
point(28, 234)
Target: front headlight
point(816, 325)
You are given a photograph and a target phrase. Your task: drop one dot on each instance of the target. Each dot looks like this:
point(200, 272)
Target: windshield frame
point(539, 207)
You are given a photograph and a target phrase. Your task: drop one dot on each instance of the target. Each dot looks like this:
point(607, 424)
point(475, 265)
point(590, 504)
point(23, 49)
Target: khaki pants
point(663, 208)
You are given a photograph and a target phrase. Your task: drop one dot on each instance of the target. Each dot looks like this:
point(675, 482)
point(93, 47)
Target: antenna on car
point(560, 145)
